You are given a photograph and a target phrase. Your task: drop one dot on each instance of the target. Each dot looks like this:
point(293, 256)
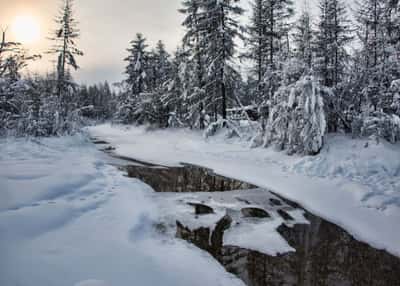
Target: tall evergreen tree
point(333, 34)
point(176, 92)
point(64, 38)
point(162, 65)
point(378, 25)
point(194, 67)
point(137, 65)
point(192, 40)
point(277, 17)
point(278, 14)
point(221, 30)
point(303, 37)
point(257, 42)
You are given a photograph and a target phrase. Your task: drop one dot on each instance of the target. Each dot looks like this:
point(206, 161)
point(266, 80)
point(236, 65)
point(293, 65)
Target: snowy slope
point(67, 218)
point(351, 185)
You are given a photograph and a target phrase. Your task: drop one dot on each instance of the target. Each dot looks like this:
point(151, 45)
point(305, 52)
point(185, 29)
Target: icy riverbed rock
point(255, 213)
point(201, 209)
point(204, 237)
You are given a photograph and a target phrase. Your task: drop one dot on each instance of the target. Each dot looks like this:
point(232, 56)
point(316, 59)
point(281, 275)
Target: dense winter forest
point(337, 72)
point(263, 150)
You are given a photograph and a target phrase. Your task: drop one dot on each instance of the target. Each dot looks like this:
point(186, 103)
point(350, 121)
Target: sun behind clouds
point(26, 29)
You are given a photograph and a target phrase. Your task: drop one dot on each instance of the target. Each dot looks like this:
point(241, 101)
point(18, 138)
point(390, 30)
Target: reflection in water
point(326, 255)
point(184, 179)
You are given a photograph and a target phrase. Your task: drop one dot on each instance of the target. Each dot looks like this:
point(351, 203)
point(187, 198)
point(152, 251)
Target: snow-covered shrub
point(30, 107)
point(297, 121)
point(231, 128)
point(174, 121)
point(145, 108)
point(378, 125)
point(314, 124)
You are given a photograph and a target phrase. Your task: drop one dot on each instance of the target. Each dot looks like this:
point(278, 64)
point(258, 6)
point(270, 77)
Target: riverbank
point(352, 183)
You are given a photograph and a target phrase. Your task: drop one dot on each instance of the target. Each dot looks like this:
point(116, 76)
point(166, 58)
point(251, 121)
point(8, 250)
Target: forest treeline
point(302, 75)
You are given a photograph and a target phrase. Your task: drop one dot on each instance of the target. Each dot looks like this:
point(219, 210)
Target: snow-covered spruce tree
point(378, 23)
point(268, 37)
point(136, 82)
point(192, 71)
point(159, 75)
point(378, 66)
point(332, 36)
point(149, 74)
point(278, 15)
point(297, 120)
point(162, 66)
point(256, 41)
point(158, 68)
point(64, 46)
point(221, 30)
point(137, 65)
point(303, 37)
point(176, 89)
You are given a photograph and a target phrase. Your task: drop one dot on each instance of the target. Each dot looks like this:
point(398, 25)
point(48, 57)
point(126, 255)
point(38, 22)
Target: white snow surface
point(351, 184)
point(67, 218)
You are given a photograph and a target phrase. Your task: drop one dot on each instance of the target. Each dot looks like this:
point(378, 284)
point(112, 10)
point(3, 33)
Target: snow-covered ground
point(351, 184)
point(68, 218)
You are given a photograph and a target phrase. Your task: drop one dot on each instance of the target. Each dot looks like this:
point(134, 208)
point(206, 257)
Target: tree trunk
point(222, 71)
point(260, 52)
point(223, 94)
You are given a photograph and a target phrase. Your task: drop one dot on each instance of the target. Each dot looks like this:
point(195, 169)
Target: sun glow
point(26, 29)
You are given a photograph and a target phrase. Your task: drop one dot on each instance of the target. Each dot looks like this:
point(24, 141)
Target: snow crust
point(259, 234)
point(353, 183)
point(67, 218)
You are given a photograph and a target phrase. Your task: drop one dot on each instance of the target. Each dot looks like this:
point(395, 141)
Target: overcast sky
point(107, 26)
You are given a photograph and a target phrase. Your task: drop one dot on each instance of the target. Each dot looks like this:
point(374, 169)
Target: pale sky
point(107, 27)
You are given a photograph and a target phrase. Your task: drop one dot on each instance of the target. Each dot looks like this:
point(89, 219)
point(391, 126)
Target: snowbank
point(351, 185)
point(67, 218)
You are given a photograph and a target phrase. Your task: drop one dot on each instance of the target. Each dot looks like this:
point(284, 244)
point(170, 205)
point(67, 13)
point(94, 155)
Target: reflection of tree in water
point(184, 179)
point(325, 255)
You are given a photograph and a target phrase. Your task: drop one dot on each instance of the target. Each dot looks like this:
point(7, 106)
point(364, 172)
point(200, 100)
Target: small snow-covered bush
point(230, 126)
point(297, 120)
